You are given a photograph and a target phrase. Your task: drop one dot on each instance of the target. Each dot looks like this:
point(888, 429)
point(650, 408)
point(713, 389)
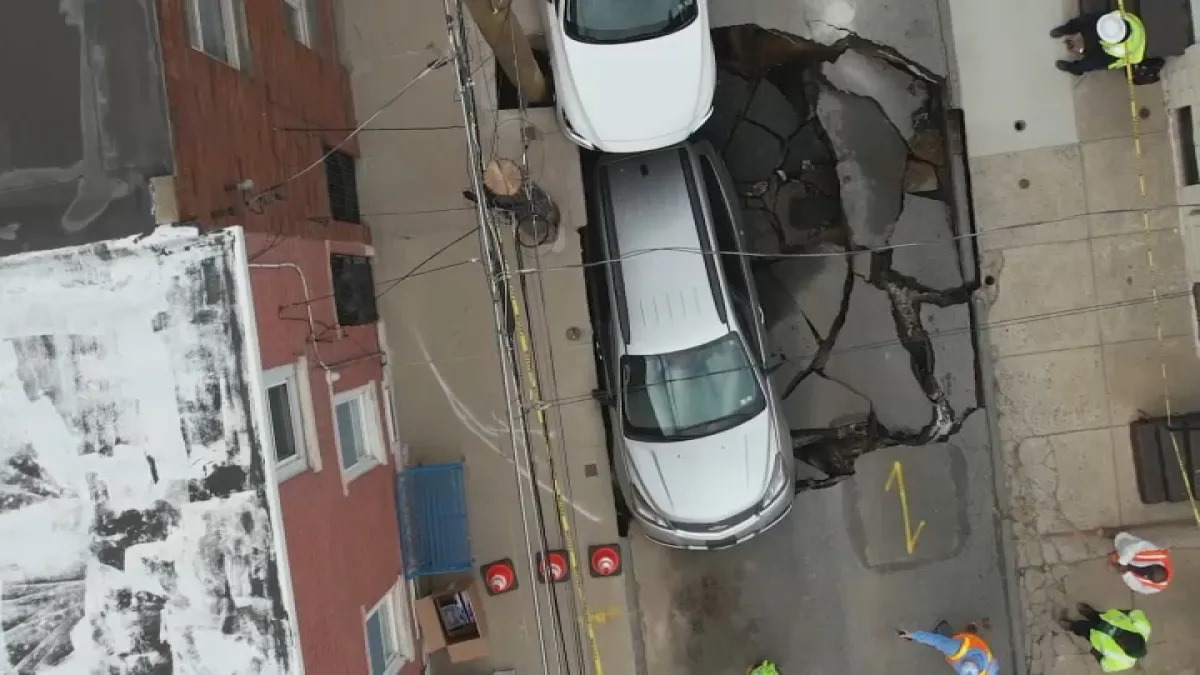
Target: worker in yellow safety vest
point(763, 668)
point(1119, 637)
point(1102, 41)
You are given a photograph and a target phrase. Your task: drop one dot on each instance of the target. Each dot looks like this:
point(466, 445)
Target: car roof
point(652, 203)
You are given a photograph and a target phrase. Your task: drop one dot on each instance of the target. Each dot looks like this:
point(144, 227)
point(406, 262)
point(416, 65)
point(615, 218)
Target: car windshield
point(612, 21)
point(691, 393)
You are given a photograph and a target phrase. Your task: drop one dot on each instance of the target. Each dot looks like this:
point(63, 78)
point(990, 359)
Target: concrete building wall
point(341, 530)
point(229, 124)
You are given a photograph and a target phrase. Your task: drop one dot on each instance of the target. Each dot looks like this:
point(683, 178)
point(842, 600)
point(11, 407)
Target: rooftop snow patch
point(139, 526)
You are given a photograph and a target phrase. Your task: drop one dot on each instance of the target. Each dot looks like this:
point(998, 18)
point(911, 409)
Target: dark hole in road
point(828, 171)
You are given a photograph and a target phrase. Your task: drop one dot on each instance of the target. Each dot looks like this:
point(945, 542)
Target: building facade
point(257, 97)
point(217, 113)
point(336, 451)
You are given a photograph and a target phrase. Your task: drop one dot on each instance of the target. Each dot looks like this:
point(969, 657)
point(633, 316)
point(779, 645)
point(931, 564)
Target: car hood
point(639, 91)
point(706, 480)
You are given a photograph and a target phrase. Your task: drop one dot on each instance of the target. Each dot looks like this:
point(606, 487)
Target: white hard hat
point(1111, 27)
point(968, 668)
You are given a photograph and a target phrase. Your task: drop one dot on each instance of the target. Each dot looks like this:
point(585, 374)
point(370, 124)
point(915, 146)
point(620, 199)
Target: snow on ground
point(137, 534)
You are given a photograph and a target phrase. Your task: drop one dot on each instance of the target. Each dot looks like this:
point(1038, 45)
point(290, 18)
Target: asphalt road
point(837, 150)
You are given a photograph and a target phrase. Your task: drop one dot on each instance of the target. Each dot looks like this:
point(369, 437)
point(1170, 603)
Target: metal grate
point(1159, 477)
point(432, 509)
point(353, 289)
point(342, 183)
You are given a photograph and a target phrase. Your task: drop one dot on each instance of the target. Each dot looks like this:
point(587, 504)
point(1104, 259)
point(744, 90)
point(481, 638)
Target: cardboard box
point(452, 619)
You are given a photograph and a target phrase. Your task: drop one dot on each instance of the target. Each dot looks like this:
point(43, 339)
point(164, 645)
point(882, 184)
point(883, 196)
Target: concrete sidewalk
point(450, 401)
point(1073, 336)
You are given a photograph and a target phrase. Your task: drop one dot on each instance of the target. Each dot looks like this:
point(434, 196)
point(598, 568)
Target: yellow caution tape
point(1141, 171)
point(560, 501)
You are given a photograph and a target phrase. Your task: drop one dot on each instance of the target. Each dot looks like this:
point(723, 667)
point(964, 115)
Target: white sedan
point(631, 75)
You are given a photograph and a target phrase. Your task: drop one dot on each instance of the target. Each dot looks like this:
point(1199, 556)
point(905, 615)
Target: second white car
point(631, 75)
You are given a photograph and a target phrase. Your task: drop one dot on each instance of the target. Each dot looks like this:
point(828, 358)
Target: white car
point(631, 75)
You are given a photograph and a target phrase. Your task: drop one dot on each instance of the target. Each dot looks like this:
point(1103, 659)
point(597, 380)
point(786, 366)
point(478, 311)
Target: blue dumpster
point(431, 506)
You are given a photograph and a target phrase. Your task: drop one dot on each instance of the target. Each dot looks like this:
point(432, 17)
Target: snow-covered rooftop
point(138, 533)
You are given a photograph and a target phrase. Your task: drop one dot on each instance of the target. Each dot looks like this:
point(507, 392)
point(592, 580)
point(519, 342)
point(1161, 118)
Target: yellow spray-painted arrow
point(897, 477)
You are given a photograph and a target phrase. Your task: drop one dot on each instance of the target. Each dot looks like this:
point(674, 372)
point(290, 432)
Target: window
point(615, 22)
point(285, 431)
point(217, 28)
point(297, 20)
point(389, 645)
point(353, 289)
point(690, 393)
point(342, 183)
point(738, 274)
point(356, 421)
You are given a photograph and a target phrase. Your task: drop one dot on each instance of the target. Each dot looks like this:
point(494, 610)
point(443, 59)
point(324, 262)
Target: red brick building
point(256, 96)
point(256, 92)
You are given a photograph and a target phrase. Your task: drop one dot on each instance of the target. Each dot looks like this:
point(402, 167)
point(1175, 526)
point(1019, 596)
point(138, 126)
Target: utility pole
point(499, 26)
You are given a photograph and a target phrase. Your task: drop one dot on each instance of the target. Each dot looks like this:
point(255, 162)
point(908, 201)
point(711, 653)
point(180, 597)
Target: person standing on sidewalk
point(1104, 41)
point(1145, 567)
point(1118, 636)
point(966, 652)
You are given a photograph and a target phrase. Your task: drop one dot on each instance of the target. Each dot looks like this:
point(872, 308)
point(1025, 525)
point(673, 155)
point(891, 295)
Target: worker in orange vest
point(1145, 567)
point(966, 652)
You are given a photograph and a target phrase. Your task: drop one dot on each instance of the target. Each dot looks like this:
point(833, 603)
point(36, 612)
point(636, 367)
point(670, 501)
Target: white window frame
point(395, 603)
point(301, 8)
point(288, 375)
point(372, 431)
point(232, 11)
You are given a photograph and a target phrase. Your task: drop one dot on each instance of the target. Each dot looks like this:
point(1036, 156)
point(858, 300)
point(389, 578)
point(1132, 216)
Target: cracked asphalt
point(836, 141)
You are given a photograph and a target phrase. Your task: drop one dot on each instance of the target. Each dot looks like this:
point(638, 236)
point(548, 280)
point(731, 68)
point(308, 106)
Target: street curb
point(636, 628)
point(985, 376)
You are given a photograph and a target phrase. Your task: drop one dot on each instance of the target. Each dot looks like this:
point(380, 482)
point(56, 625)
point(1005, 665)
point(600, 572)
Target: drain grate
point(1159, 477)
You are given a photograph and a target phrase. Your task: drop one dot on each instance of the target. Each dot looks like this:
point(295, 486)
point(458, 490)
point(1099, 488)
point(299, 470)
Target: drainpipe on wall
point(312, 324)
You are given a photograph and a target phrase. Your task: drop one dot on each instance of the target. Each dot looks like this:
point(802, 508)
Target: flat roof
point(140, 525)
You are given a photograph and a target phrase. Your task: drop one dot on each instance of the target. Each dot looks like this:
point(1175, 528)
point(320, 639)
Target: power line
point(836, 351)
point(515, 326)
point(363, 131)
point(420, 271)
point(813, 254)
point(490, 253)
point(414, 271)
point(277, 234)
point(429, 68)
